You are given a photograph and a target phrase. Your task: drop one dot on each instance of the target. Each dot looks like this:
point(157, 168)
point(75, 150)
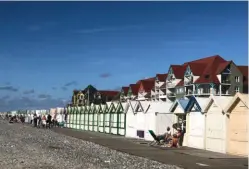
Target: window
point(236, 89)
point(236, 78)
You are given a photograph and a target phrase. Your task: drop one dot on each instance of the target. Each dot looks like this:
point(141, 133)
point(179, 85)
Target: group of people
point(15, 118)
point(46, 121)
point(173, 140)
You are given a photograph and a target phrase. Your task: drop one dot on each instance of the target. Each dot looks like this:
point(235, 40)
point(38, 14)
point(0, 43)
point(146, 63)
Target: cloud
point(27, 103)
point(9, 88)
point(105, 75)
point(5, 97)
point(29, 91)
point(64, 88)
point(107, 29)
point(44, 96)
point(34, 28)
point(72, 83)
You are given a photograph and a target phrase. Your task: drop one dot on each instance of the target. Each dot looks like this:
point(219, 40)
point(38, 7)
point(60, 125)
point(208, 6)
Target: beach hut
point(107, 118)
point(101, 120)
point(78, 114)
point(158, 118)
point(195, 122)
point(178, 108)
point(95, 118)
point(215, 134)
point(237, 125)
point(87, 109)
point(113, 118)
point(74, 111)
point(121, 109)
point(85, 117)
point(90, 117)
point(130, 126)
point(81, 118)
point(69, 117)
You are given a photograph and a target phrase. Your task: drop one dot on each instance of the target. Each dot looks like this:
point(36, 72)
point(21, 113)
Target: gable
point(129, 92)
point(112, 108)
point(141, 88)
point(239, 106)
point(178, 110)
point(119, 107)
point(138, 107)
point(188, 71)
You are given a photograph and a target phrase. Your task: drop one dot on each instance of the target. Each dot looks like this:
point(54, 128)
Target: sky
point(48, 49)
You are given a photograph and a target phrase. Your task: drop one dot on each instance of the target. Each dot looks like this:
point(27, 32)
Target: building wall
point(235, 72)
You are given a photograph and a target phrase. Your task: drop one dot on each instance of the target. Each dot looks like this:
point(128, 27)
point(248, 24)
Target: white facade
point(216, 121)
point(144, 116)
point(131, 120)
point(195, 130)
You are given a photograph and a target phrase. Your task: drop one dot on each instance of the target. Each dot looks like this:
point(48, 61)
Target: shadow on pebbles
point(25, 147)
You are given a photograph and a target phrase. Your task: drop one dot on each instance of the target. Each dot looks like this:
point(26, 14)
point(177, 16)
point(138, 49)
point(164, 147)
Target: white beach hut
point(113, 118)
point(95, 118)
point(107, 118)
point(101, 120)
point(130, 125)
point(237, 125)
point(158, 118)
point(195, 122)
point(216, 120)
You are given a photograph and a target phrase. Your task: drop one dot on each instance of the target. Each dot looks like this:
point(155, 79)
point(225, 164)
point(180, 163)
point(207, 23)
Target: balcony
point(171, 85)
point(225, 82)
point(187, 83)
point(171, 94)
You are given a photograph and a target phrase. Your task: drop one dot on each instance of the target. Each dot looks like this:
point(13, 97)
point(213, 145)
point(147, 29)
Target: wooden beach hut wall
point(101, 120)
point(121, 109)
point(216, 120)
point(130, 126)
point(140, 110)
point(87, 109)
point(195, 122)
point(107, 118)
point(158, 118)
point(113, 118)
point(73, 117)
point(85, 117)
point(237, 125)
point(77, 109)
point(68, 117)
point(90, 117)
point(95, 118)
point(82, 108)
point(178, 108)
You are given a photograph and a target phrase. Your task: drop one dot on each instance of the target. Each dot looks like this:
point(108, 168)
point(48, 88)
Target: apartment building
point(210, 75)
point(145, 88)
point(158, 93)
point(123, 93)
point(91, 95)
point(133, 92)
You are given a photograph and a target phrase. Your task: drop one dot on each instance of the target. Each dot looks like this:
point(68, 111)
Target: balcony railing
point(171, 94)
point(225, 81)
point(171, 85)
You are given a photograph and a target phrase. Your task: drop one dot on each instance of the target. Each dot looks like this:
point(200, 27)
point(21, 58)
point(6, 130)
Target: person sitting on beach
point(174, 141)
point(166, 136)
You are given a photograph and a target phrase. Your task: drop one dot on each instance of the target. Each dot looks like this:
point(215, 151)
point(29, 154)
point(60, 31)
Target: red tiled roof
point(197, 68)
point(162, 77)
point(146, 79)
point(181, 83)
point(178, 70)
point(125, 89)
point(209, 67)
point(108, 93)
point(147, 86)
point(134, 88)
point(244, 71)
point(222, 66)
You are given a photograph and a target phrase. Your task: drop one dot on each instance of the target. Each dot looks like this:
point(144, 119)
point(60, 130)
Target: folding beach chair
point(156, 140)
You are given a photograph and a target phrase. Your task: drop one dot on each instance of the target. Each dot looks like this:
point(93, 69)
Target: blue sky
point(47, 49)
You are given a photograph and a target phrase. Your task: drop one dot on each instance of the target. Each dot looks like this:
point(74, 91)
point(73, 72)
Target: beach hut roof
point(238, 97)
point(181, 102)
point(220, 101)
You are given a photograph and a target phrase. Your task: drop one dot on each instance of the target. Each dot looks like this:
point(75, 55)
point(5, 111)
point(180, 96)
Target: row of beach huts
point(217, 123)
